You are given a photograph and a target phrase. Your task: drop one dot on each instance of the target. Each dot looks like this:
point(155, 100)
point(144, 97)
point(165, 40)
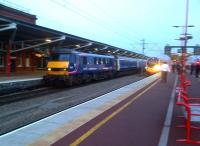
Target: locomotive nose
point(57, 67)
point(58, 64)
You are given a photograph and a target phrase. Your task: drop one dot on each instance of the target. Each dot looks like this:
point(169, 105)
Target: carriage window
point(110, 61)
point(104, 60)
point(107, 60)
point(99, 60)
point(73, 58)
point(85, 60)
point(95, 61)
point(90, 60)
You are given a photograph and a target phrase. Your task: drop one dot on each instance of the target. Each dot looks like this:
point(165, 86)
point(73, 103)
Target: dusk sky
point(121, 23)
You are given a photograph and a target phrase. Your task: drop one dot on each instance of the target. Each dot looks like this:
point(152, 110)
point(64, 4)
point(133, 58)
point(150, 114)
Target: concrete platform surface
point(18, 82)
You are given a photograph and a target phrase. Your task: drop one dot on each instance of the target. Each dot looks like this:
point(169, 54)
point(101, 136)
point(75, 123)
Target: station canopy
point(26, 36)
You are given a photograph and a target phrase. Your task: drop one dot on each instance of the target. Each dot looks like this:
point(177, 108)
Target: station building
point(22, 60)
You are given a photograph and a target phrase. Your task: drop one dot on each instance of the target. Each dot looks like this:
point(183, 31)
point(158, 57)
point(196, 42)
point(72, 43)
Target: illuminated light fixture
point(48, 40)
point(116, 51)
point(109, 51)
point(96, 49)
point(49, 69)
point(38, 55)
point(78, 46)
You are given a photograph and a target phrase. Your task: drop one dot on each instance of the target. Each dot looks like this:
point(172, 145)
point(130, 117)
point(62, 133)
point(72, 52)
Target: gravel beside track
point(23, 112)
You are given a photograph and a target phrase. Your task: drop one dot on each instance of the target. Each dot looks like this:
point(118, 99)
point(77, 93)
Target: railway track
point(27, 107)
point(23, 95)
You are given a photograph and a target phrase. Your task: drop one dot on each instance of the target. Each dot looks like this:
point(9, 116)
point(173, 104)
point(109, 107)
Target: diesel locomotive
point(71, 67)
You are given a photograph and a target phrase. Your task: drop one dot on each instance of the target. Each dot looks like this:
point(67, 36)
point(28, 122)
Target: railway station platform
point(19, 81)
point(21, 76)
point(142, 114)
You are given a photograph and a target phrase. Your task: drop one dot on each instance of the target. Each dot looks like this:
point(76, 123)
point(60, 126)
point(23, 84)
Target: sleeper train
point(71, 67)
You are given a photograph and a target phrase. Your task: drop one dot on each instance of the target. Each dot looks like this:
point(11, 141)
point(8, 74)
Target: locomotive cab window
point(60, 57)
point(64, 57)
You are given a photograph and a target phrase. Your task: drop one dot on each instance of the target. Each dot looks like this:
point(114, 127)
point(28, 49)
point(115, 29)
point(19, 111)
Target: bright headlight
point(156, 68)
point(49, 69)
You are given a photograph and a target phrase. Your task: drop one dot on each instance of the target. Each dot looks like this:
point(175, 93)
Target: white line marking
point(19, 80)
point(166, 127)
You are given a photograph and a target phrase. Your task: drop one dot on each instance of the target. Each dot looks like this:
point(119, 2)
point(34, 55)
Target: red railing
point(188, 103)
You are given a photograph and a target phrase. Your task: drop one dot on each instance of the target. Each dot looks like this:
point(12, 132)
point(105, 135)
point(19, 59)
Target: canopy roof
point(27, 36)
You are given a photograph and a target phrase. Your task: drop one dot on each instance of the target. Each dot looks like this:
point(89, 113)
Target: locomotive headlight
point(64, 69)
point(49, 69)
point(156, 68)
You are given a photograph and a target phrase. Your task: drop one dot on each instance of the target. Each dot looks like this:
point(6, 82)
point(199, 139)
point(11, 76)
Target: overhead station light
point(78, 46)
point(96, 49)
point(48, 40)
point(39, 55)
point(116, 51)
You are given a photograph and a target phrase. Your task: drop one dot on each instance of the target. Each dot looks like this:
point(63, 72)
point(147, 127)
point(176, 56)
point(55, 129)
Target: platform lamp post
point(184, 39)
point(185, 36)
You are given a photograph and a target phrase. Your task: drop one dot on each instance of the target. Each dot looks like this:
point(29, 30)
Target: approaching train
point(152, 65)
point(72, 67)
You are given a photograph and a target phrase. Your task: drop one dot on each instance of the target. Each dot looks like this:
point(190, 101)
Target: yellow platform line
point(108, 118)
